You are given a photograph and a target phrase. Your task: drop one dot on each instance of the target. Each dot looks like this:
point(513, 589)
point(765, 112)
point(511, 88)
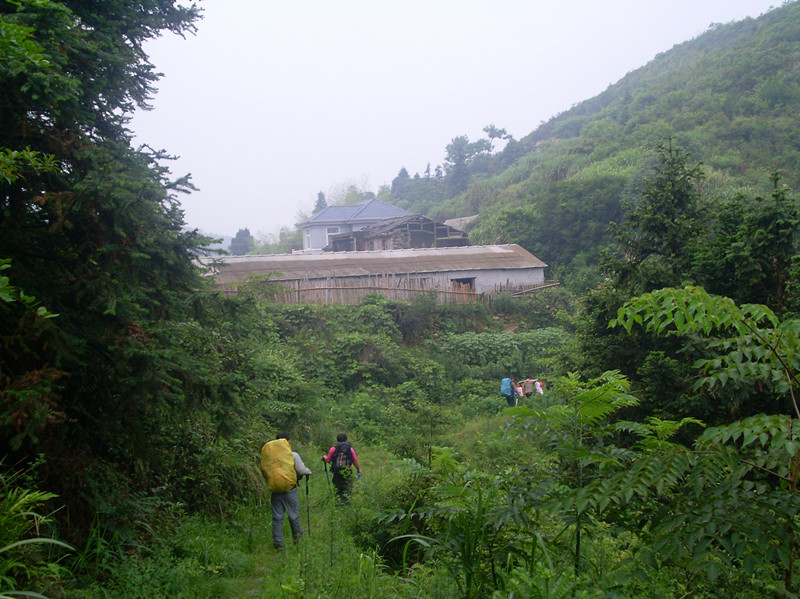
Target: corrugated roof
point(366, 210)
point(350, 264)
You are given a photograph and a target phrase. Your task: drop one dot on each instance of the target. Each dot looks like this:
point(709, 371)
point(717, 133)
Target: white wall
point(486, 281)
point(319, 235)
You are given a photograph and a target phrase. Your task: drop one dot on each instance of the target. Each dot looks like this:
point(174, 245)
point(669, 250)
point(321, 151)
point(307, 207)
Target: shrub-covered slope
point(729, 97)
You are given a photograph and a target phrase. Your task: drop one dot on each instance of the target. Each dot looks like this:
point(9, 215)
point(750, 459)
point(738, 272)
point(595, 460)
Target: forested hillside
point(661, 461)
point(728, 97)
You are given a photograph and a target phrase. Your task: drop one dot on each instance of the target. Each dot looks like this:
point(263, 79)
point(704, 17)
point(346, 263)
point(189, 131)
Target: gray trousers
point(290, 504)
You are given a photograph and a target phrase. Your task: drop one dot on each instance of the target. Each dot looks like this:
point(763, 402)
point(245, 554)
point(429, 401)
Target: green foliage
point(10, 294)
point(735, 500)
point(751, 248)
point(286, 240)
point(385, 520)
point(576, 429)
point(27, 558)
point(149, 391)
point(475, 397)
point(363, 358)
point(724, 96)
point(469, 528)
point(95, 233)
point(750, 343)
point(26, 397)
point(662, 247)
point(402, 419)
point(496, 355)
point(378, 320)
point(242, 243)
point(578, 434)
point(658, 230)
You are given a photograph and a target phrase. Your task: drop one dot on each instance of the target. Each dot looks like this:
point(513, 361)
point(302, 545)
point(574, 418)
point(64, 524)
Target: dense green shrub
point(497, 355)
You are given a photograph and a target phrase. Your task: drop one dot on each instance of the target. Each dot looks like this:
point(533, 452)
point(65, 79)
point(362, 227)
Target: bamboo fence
point(405, 289)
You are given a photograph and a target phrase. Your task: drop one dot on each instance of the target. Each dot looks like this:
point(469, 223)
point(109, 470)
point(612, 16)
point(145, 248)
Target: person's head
point(282, 436)
point(341, 437)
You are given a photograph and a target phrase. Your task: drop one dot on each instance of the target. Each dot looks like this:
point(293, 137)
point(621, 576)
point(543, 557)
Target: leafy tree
point(242, 243)
point(759, 346)
point(321, 203)
point(660, 228)
point(577, 432)
point(750, 248)
point(656, 239)
point(27, 393)
point(461, 155)
point(287, 239)
point(493, 133)
point(400, 184)
point(734, 500)
point(456, 164)
point(96, 233)
point(510, 225)
point(354, 195)
point(416, 194)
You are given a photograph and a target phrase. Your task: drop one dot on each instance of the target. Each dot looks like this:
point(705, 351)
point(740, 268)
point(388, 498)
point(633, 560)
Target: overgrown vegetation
point(134, 400)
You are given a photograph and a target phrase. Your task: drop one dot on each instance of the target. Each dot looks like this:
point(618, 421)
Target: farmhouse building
point(346, 277)
point(334, 220)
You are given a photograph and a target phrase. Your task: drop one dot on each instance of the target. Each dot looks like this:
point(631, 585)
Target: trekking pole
point(326, 476)
point(308, 510)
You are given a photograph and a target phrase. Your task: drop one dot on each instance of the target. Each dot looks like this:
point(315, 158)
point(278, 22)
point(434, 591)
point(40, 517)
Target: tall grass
point(201, 556)
point(29, 556)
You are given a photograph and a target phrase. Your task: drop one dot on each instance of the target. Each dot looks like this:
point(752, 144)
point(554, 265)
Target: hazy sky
point(271, 102)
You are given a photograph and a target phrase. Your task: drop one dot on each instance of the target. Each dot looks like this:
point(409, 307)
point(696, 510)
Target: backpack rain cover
point(277, 466)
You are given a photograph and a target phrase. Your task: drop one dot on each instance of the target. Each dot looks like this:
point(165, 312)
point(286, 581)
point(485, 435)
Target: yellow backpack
point(277, 466)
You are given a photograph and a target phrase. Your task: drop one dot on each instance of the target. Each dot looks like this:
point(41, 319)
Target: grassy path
point(231, 556)
point(327, 563)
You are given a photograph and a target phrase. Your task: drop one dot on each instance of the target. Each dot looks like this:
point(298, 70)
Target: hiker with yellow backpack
point(283, 468)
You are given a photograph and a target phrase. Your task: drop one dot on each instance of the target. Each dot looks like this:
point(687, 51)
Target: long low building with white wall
point(479, 269)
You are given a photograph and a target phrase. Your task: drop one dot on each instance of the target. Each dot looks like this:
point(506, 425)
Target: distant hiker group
point(283, 469)
point(512, 389)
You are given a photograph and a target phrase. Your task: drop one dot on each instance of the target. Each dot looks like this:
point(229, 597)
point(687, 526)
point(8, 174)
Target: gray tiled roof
point(367, 210)
point(349, 264)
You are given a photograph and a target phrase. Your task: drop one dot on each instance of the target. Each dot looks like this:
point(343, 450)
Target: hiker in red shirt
point(341, 457)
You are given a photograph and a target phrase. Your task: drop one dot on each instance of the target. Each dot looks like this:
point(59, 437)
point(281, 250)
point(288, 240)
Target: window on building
point(467, 284)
